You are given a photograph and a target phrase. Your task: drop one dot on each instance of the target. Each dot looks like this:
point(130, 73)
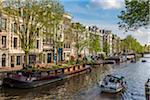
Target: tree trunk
point(77, 56)
point(26, 59)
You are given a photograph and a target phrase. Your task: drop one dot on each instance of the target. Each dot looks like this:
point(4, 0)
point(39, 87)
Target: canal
point(84, 87)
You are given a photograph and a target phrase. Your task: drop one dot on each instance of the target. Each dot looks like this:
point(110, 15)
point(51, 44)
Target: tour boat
point(32, 79)
point(113, 84)
point(147, 89)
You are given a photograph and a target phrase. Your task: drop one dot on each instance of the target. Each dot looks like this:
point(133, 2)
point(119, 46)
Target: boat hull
point(113, 84)
point(107, 90)
point(15, 83)
point(1, 82)
point(19, 84)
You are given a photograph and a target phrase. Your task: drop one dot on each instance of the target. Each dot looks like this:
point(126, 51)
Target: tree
point(106, 48)
point(57, 16)
point(30, 18)
point(94, 43)
point(0, 5)
point(135, 15)
point(132, 45)
point(79, 39)
point(68, 31)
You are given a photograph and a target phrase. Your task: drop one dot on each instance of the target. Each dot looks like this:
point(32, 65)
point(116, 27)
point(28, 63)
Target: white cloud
point(108, 4)
point(143, 35)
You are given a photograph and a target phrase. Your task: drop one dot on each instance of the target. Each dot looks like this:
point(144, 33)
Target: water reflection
point(84, 87)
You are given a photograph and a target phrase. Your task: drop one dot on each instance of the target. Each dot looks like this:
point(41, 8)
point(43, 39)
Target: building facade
point(46, 50)
point(107, 39)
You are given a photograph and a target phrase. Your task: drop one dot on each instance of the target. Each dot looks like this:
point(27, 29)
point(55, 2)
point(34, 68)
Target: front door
point(49, 58)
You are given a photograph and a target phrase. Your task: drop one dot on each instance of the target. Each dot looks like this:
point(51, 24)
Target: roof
point(115, 76)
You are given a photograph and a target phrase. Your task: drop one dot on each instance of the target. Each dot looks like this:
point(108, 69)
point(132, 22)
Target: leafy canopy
point(32, 17)
point(135, 15)
point(131, 44)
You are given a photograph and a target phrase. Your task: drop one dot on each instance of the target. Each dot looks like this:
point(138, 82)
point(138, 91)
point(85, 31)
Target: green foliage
point(135, 15)
point(79, 34)
point(32, 17)
point(132, 45)
point(106, 48)
point(94, 44)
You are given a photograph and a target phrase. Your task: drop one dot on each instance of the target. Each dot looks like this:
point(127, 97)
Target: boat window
point(68, 69)
point(55, 71)
point(51, 72)
point(74, 67)
point(59, 71)
point(78, 67)
point(44, 74)
point(111, 80)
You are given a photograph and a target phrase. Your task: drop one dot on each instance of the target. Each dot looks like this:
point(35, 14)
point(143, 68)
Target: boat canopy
point(116, 76)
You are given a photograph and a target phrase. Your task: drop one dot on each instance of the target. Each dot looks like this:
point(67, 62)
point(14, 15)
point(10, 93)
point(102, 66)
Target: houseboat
point(31, 79)
point(1, 80)
point(133, 61)
point(113, 84)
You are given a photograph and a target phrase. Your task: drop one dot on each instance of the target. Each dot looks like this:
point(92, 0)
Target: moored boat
point(143, 60)
point(1, 82)
point(147, 89)
point(24, 79)
point(133, 61)
point(113, 84)
point(109, 62)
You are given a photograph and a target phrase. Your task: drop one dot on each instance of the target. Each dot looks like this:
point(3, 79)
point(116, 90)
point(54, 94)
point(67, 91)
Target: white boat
point(113, 84)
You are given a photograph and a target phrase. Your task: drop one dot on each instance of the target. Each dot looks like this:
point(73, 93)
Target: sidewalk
point(8, 69)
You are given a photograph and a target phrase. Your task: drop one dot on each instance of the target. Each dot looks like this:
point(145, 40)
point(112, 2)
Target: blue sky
point(102, 13)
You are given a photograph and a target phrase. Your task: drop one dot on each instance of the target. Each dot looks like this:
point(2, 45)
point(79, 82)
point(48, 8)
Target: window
point(22, 28)
point(66, 45)
point(3, 23)
point(43, 58)
point(3, 41)
point(49, 58)
point(0, 23)
point(32, 59)
point(15, 27)
point(18, 60)
point(37, 44)
point(15, 42)
point(12, 27)
point(12, 59)
point(4, 60)
point(37, 32)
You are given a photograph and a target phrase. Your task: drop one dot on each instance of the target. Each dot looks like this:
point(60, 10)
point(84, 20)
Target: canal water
point(85, 87)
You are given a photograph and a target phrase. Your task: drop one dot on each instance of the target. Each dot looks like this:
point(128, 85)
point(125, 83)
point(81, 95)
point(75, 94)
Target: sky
point(102, 13)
